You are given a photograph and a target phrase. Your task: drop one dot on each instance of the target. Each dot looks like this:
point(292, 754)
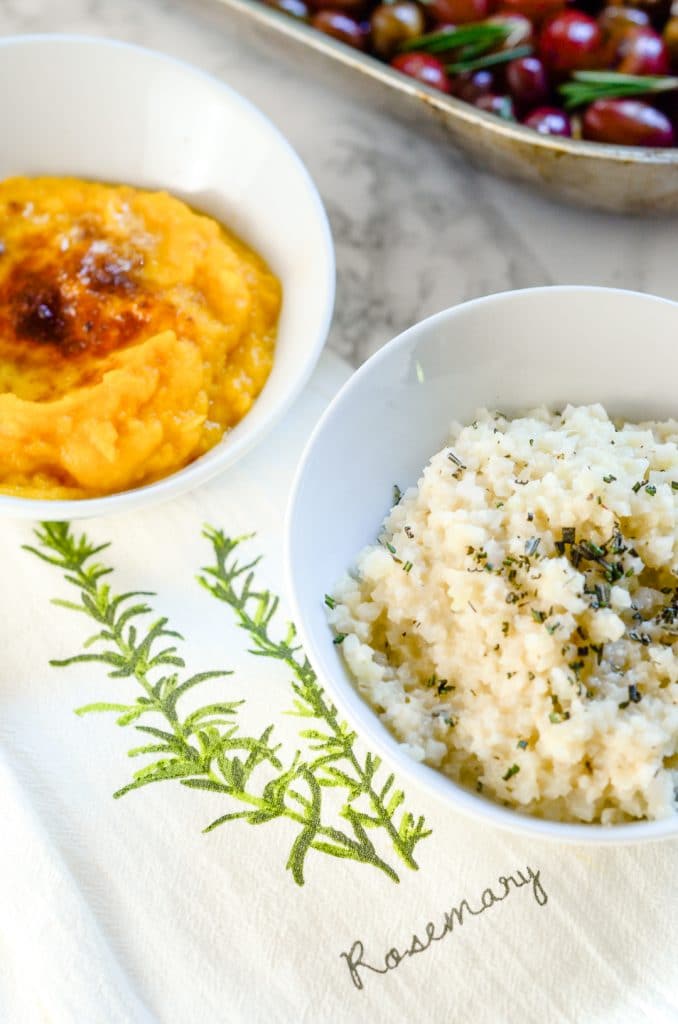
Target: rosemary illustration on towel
point(205, 748)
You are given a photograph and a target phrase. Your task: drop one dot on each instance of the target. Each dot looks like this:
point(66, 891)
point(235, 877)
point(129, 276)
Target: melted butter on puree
point(133, 333)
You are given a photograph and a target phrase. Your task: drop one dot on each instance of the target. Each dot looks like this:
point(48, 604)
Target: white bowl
point(103, 110)
point(511, 352)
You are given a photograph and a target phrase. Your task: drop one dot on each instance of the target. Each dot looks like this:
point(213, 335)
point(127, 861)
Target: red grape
point(535, 10)
point(627, 122)
point(549, 121)
point(527, 82)
point(643, 52)
point(471, 85)
point(342, 27)
point(569, 41)
point(458, 12)
point(425, 68)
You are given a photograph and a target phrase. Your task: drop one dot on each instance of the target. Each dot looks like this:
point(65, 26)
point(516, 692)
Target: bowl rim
point(200, 471)
point(356, 708)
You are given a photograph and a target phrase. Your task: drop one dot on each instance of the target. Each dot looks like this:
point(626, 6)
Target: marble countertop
point(416, 228)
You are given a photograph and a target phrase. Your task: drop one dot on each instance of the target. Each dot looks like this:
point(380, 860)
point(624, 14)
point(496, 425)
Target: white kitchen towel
point(329, 891)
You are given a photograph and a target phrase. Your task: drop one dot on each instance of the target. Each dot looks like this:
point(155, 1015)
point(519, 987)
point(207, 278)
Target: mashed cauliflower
point(516, 626)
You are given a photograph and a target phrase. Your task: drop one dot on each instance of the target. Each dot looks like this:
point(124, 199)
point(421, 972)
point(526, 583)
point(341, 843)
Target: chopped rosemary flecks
point(391, 548)
point(551, 629)
point(456, 460)
point(634, 694)
point(444, 687)
point(504, 628)
point(674, 485)
point(449, 721)
point(530, 517)
point(397, 494)
point(609, 478)
point(651, 490)
point(522, 744)
point(636, 487)
point(603, 593)
point(556, 717)
point(330, 602)
point(568, 535)
point(408, 532)
point(510, 772)
point(339, 638)
point(531, 545)
point(538, 616)
point(407, 566)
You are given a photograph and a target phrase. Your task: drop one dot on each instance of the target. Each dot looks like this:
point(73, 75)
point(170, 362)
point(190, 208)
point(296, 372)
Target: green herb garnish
point(531, 545)
point(407, 566)
point(397, 494)
point(651, 490)
point(330, 602)
point(587, 86)
point(487, 61)
point(510, 772)
point(609, 479)
point(478, 34)
point(339, 638)
point(522, 744)
point(456, 460)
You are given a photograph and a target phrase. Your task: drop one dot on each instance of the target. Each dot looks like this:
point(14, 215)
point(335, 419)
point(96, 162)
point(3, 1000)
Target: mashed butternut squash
point(133, 333)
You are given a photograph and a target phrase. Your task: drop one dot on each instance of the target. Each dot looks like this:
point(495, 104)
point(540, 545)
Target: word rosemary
point(204, 748)
point(355, 957)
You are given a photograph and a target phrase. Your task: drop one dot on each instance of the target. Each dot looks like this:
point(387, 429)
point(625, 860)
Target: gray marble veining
point(416, 229)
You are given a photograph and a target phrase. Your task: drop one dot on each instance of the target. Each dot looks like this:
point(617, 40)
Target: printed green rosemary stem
point(201, 750)
point(255, 610)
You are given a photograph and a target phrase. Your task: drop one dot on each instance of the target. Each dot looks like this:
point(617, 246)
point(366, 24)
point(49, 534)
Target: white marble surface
point(416, 229)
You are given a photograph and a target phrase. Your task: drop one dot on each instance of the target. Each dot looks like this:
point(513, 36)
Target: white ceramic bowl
point(511, 352)
point(104, 110)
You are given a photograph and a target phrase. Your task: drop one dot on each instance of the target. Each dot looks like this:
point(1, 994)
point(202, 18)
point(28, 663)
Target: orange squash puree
point(133, 333)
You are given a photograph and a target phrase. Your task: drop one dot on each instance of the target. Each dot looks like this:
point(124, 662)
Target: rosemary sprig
point(480, 35)
point(337, 764)
point(587, 86)
point(488, 60)
point(203, 748)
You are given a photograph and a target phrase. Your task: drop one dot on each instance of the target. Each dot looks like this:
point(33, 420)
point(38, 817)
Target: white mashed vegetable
point(516, 626)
